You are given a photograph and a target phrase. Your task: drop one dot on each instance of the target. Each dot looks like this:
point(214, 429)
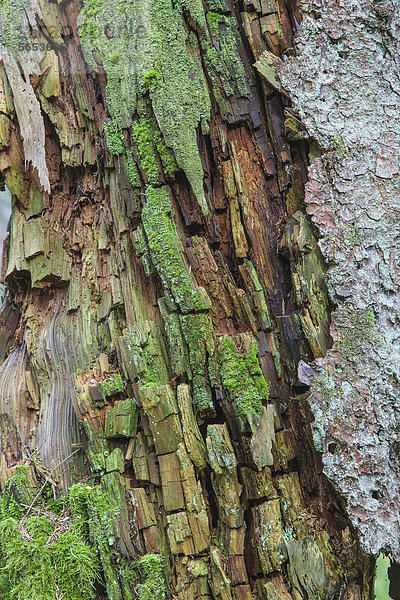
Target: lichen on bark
point(344, 84)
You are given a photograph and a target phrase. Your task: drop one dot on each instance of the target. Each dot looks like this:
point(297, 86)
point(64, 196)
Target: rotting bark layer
point(163, 284)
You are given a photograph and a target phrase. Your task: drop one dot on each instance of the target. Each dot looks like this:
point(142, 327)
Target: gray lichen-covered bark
point(167, 291)
point(345, 83)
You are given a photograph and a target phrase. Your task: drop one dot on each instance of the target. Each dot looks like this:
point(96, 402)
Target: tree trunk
point(167, 293)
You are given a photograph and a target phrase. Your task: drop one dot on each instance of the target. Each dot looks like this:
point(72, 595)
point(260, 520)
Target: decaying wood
point(165, 282)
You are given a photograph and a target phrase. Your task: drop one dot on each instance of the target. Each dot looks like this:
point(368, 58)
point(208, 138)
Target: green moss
point(166, 251)
point(243, 379)
point(198, 332)
point(44, 556)
point(149, 141)
point(116, 144)
point(112, 386)
point(115, 58)
point(16, 183)
point(78, 504)
point(213, 20)
point(152, 570)
point(221, 53)
point(114, 137)
point(131, 169)
point(147, 355)
point(338, 145)
point(167, 157)
point(139, 580)
point(195, 9)
point(145, 579)
point(144, 132)
point(18, 491)
point(155, 63)
point(142, 251)
point(151, 147)
point(104, 511)
point(150, 79)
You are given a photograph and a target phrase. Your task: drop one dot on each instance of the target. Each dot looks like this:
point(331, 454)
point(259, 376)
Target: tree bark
point(166, 291)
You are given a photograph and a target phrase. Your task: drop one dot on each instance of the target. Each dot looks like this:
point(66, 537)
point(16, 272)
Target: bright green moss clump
point(242, 378)
point(152, 570)
point(114, 137)
point(43, 556)
point(46, 555)
point(213, 20)
point(150, 142)
point(144, 138)
point(47, 562)
point(18, 490)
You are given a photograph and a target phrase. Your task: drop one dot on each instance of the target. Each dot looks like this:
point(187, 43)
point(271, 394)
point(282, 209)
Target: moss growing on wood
point(46, 555)
point(144, 355)
point(116, 144)
point(150, 142)
point(222, 56)
point(121, 420)
point(39, 564)
point(43, 555)
point(112, 386)
point(166, 251)
point(242, 378)
point(155, 63)
point(114, 137)
point(100, 508)
point(18, 490)
point(199, 335)
point(152, 569)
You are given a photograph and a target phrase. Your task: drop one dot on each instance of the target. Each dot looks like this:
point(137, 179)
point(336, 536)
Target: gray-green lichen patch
point(143, 48)
point(14, 24)
point(344, 82)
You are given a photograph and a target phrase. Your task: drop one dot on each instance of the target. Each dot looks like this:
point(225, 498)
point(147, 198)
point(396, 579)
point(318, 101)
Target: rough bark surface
point(163, 284)
point(345, 83)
